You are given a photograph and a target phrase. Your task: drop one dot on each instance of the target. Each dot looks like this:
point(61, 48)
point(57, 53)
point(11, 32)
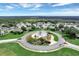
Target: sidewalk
point(8, 40)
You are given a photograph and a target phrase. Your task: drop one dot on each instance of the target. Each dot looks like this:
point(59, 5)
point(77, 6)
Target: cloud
point(68, 13)
point(69, 10)
point(8, 7)
point(62, 12)
point(36, 7)
point(31, 6)
point(60, 4)
point(25, 5)
point(1, 9)
point(58, 13)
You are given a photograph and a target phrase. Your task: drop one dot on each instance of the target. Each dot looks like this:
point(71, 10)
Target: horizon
point(39, 16)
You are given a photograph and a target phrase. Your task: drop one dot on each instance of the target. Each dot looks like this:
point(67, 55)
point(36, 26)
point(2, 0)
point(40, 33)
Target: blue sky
point(39, 9)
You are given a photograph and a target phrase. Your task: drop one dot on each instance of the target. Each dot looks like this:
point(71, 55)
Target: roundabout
point(41, 41)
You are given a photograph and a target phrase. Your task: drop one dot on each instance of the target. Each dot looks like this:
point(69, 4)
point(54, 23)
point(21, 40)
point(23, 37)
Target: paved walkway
point(8, 40)
point(72, 46)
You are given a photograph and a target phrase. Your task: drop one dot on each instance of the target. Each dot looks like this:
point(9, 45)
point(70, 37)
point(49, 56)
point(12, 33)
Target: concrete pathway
point(72, 46)
point(8, 40)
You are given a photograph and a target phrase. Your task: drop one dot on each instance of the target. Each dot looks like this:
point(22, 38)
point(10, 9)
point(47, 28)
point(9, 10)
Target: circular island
point(41, 38)
point(40, 41)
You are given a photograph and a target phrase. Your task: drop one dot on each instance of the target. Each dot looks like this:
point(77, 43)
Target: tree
point(70, 32)
point(61, 26)
point(16, 32)
point(56, 28)
point(5, 26)
point(33, 27)
point(23, 28)
point(66, 30)
point(10, 24)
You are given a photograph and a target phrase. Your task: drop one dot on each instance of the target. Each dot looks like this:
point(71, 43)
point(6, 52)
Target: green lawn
point(11, 36)
point(73, 41)
point(55, 37)
point(17, 50)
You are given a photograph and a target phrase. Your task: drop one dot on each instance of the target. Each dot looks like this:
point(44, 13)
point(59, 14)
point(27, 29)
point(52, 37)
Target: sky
point(39, 9)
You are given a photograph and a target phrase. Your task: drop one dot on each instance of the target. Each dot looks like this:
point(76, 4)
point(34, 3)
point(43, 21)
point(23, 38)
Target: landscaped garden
point(41, 38)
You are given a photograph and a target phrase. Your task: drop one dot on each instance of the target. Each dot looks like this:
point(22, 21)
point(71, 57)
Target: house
point(28, 24)
point(2, 32)
point(19, 25)
point(77, 36)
